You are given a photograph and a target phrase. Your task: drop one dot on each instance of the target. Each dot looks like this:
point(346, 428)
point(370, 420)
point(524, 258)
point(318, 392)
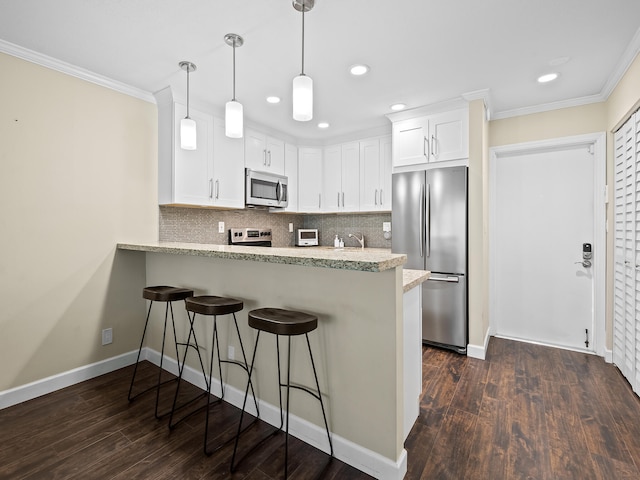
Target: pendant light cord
point(234, 71)
point(188, 69)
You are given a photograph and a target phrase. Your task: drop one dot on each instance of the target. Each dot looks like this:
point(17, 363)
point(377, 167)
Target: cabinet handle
point(434, 146)
point(425, 148)
point(342, 199)
point(269, 152)
point(211, 188)
point(381, 201)
point(217, 189)
point(376, 197)
point(338, 199)
point(264, 157)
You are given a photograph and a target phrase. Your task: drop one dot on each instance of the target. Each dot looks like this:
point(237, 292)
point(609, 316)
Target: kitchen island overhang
point(357, 296)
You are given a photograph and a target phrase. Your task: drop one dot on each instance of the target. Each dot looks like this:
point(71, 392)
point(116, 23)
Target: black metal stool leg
point(181, 371)
point(135, 369)
point(164, 336)
point(246, 366)
point(315, 375)
point(286, 438)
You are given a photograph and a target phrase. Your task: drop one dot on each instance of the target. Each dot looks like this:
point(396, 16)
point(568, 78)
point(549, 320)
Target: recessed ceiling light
point(273, 99)
point(398, 106)
point(358, 69)
point(323, 125)
point(549, 77)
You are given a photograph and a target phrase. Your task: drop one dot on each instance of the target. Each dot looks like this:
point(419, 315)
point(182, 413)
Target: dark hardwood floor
point(526, 412)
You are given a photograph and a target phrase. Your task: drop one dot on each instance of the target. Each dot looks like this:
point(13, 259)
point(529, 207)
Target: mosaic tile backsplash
point(200, 225)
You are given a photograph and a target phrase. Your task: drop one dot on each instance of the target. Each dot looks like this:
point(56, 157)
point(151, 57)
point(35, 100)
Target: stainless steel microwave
point(264, 189)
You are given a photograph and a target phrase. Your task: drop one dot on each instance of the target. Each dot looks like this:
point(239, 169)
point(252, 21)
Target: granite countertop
point(367, 260)
point(413, 278)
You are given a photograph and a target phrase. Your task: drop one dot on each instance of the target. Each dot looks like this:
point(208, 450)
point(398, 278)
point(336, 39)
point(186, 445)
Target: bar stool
point(168, 295)
point(211, 306)
point(282, 323)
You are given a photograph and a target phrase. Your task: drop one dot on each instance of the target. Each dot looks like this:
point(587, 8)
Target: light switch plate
point(291, 227)
point(220, 227)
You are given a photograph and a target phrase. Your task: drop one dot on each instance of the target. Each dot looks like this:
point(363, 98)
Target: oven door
point(266, 189)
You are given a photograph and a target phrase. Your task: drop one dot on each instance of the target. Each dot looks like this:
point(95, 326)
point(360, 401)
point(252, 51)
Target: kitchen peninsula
point(360, 341)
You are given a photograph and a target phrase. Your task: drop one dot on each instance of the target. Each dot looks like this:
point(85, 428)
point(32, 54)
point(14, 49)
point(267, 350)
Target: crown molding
point(623, 65)
point(484, 95)
point(546, 107)
point(74, 71)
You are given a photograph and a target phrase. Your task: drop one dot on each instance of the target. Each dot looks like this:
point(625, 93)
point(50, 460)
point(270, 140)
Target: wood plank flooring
point(526, 412)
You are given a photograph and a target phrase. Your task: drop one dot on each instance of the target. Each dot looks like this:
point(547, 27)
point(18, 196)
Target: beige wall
point(78, 175)
point(478, 273)
point(592, 118)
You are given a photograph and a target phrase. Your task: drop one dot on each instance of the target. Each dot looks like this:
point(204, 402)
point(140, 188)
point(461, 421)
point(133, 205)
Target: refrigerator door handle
point(422, 210)
point(444, 279)
point(428, 220)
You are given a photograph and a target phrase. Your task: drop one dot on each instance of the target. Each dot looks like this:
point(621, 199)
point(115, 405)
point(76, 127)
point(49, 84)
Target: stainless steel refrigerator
point(429, 225)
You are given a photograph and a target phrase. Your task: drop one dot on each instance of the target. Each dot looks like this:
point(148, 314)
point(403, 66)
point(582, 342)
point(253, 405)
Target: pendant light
point(233, 117)
point(303, 84)
point(187, 125)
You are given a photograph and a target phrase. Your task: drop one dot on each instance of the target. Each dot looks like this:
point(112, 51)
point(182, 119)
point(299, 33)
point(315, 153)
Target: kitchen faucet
point(360, 240)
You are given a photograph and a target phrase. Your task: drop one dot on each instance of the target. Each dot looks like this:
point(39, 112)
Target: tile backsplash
point(200, 225)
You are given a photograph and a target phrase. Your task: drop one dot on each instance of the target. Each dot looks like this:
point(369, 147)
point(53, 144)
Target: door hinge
point(586, 342)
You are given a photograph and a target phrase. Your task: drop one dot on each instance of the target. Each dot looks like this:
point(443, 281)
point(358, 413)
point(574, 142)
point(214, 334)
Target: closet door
point(626, 331)
point(633, 255)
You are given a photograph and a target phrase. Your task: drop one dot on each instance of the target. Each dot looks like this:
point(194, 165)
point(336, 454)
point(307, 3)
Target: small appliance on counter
point(307, 237)
point(250, 237)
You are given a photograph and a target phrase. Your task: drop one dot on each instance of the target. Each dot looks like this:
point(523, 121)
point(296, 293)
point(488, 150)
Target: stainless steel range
point(254, 237)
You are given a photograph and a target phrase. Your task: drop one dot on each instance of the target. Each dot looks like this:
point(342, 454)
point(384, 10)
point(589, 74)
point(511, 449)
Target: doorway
point(547, 209)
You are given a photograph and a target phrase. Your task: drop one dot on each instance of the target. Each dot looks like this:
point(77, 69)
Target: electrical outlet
point(386, 226)
point(291, 227)
point(231, 352)
point(220, 227)
point(107, 336)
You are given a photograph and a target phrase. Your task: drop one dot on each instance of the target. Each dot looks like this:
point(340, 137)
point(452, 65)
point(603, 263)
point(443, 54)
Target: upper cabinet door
point(386, 170)
point(291, 172)
point(193, 169)
point(263, 153)
point(332, 179)
point(449, 136)
point(255, 150)
point(350, 197)
point(370, 175)
point(410, 142)
point(228, 168)
point(310, 179)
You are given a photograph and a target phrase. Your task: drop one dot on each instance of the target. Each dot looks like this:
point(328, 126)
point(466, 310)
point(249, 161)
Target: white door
point(543, 212)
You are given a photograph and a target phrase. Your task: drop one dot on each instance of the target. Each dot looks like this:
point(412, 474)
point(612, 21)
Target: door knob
point(585, 263)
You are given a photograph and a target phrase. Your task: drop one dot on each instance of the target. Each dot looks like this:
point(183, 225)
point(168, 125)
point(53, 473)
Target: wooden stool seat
point(212, 305)
point(165, 293)
point(282, 322)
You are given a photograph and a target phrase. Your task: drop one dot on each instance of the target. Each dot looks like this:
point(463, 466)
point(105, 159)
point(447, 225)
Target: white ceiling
point(420, 51)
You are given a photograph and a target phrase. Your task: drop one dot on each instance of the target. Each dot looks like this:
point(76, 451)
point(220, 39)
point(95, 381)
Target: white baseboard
point(608, 355)
point(479, 351)
point(346, 451)
point(38, 388)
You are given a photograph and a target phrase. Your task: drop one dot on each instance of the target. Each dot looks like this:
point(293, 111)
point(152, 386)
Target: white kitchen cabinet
point(211, 175)
point(341, 178)
point(228, 173)
point(433, 138)
point(309, 179)
point(375, 174)
point(263, 153)
point(291, 172)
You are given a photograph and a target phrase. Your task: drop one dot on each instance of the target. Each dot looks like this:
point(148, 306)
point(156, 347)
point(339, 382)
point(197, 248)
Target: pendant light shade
point(302, 98)
point(188, 137)
point(233, 119)
point(303, 84)
point(233, 112)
